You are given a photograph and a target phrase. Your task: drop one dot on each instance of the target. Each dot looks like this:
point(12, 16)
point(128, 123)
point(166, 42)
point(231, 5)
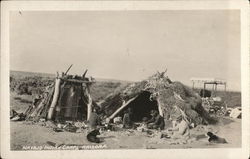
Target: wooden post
point(159, 107)
point(203, 95)
point(216, 88)
point(193, 85)
point(84, 74)
point(55, 98)
point(214, 93)
point(89, 105)
point(68, 69)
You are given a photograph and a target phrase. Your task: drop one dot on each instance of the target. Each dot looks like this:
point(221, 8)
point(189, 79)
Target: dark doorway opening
point(142, 106)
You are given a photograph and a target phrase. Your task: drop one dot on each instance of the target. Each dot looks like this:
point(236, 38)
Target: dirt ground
point(25, 134)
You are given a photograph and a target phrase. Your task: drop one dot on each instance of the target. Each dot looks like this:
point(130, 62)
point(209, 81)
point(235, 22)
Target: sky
point(129, 45)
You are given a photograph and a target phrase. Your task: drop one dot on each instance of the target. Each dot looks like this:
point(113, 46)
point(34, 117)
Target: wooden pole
point(214, 94)
point(216, 88)
point(203, 95)
point(89, 105)
point(159, 107)
point(84, 74)
point(38, 108)
point(68, 69)
point(55, 98)
point(119, 110)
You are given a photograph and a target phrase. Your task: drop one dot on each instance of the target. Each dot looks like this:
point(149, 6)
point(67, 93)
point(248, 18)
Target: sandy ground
point(26, 134)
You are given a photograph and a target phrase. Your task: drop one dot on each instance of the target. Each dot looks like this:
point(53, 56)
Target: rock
point(235, 113)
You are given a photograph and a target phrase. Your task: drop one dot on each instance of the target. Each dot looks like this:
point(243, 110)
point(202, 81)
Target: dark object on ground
point(13, 113)
point(205, 93)
point(149, 132)
point(14, 116)
point(70, 128)
point(215, 139)
point(92, 136)
point(57, 130)
point(51, 143)
point(165, 136)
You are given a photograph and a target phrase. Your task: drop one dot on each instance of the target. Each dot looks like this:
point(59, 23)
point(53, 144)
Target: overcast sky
point(128, 45)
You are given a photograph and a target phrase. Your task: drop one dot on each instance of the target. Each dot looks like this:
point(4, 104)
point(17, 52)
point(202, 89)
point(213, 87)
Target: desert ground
point(28, 134)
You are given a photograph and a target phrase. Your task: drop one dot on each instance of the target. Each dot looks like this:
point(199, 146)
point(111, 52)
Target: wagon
point(212, 103)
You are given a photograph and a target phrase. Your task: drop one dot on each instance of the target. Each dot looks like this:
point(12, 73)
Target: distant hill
point(99, 90)
point(21, 74)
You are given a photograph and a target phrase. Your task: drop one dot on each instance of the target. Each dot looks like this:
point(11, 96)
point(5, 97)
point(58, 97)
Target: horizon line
point(122, 80)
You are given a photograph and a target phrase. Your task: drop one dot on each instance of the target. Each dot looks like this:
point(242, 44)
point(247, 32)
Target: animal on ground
point(215, 139)
point(92, 136)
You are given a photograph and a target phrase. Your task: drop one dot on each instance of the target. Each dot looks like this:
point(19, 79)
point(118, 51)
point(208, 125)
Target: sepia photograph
point(125, 79)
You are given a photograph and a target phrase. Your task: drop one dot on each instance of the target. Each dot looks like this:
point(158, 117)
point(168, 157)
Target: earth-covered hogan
point(158, 92)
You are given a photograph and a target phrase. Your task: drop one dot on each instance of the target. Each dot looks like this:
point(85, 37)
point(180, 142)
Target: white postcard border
point(233, 153)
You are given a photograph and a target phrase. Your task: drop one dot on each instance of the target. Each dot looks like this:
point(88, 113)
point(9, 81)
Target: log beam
point(119, 110)
point(55, 98)
point(89, 105)
point(159, 107)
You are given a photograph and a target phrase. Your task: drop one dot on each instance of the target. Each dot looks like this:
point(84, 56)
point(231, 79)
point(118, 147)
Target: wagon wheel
point(220, 112)
point(223, 109)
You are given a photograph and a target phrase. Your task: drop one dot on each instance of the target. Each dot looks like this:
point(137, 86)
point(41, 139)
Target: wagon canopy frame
point(209, 81)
